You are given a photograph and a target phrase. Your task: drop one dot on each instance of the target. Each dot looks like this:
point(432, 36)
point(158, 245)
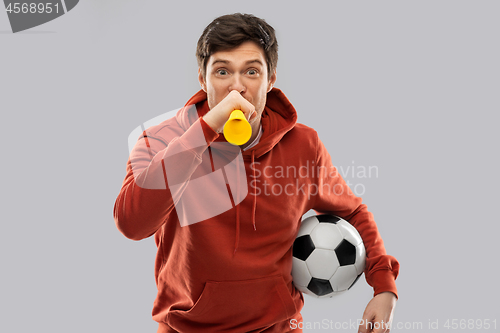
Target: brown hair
point(229, 31)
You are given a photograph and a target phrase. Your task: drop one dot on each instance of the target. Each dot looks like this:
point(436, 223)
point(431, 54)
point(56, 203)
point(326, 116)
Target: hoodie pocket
point(242, 306)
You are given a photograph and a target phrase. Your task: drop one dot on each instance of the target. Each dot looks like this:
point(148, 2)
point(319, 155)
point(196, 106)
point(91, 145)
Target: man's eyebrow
point(227, 62)
point(221, 61)
point(255, 60)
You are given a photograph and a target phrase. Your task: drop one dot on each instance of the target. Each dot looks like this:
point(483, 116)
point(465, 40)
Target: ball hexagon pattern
point(328, 256)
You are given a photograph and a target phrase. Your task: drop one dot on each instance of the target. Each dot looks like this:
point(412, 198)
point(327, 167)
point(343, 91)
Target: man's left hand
point(378, 314)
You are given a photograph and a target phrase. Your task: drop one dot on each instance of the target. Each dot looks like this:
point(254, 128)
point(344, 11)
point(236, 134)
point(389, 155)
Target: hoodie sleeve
point(156, 174)
point(381, 269)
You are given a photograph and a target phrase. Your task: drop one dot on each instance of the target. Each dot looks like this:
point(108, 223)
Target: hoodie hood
point(279, 117)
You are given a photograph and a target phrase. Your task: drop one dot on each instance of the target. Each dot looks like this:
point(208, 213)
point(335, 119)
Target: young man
point(225, 251)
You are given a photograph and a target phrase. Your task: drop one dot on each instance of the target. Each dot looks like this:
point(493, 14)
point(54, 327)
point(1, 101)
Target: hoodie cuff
point(383, 280)
point(210, 134)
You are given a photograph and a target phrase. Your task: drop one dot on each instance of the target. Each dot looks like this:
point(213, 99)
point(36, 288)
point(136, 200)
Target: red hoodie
point(224, 255)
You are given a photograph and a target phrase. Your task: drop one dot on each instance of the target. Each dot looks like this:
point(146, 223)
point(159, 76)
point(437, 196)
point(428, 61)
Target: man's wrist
point(209, 122)
point(389, 293)
point(208, 132)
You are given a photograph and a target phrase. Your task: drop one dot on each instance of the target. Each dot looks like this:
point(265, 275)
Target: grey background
point(409, 87)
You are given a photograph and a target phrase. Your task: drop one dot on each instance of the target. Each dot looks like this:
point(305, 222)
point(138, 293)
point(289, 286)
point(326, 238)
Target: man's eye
point(222, 72)
point(252, 72)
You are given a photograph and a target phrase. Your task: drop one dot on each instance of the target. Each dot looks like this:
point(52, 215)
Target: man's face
point(243, 69)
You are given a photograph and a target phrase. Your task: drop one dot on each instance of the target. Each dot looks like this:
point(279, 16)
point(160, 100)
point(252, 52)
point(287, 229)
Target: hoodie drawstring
point(254, 193)
point(237, 201)
point(237, 228)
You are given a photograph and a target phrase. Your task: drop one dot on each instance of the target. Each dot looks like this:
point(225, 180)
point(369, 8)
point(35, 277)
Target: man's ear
point(272, 81)
point(202, 80)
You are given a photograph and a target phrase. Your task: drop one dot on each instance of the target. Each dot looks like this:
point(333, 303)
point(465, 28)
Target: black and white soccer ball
point(328, 256)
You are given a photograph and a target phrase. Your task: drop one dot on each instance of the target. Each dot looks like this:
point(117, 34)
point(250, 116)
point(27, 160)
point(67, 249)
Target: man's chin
point(255, 121)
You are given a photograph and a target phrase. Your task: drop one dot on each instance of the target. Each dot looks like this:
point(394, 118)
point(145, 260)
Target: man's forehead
point(248, 52)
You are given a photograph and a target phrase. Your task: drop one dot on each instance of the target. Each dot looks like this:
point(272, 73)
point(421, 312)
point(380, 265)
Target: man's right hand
point(219, 114)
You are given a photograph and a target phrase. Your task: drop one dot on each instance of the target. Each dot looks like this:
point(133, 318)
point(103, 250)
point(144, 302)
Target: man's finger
point(379, 326)
point(364, 326)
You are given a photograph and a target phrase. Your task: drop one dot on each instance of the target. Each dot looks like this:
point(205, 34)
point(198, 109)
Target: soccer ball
point(328, 256)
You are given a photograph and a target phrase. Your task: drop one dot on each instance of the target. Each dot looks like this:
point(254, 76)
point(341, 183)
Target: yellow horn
point(237, 129)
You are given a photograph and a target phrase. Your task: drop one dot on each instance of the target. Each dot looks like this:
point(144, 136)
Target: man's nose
point(237, 84)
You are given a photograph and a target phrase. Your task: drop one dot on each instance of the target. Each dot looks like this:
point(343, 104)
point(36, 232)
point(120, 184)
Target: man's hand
point(377, 317)
point(219, 114)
